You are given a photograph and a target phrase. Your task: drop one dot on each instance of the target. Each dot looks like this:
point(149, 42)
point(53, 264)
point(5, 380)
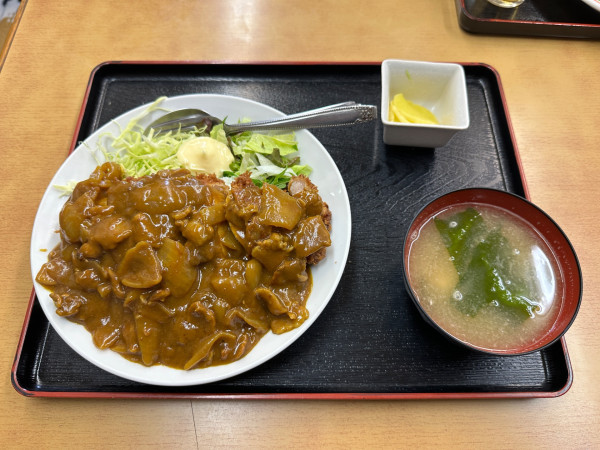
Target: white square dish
point(439, 87)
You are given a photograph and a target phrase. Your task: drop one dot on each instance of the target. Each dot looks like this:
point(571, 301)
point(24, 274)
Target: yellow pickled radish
point(405, 111)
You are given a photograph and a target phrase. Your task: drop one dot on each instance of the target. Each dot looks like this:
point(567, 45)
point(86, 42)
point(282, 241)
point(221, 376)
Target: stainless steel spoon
point(347, 113)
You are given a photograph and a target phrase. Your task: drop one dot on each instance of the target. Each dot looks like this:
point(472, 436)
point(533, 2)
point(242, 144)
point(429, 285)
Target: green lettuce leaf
point(266, 144)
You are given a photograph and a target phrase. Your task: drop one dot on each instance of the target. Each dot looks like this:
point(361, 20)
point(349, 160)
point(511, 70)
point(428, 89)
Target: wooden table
point(552, 87)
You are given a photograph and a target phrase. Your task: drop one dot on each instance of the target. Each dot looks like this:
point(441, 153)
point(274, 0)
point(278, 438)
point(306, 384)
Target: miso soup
point(485, 276)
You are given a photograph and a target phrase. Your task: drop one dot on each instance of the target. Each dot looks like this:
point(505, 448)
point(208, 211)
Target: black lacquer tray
point(548, 18)
point(370, 342)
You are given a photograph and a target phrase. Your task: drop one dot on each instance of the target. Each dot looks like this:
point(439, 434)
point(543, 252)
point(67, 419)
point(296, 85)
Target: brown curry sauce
point(183, 270)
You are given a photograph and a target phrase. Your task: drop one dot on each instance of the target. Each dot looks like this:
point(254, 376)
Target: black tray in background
point(548, 18)
point(370, 342)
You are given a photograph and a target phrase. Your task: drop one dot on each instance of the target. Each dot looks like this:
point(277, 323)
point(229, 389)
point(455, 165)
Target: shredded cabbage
point(140, 154)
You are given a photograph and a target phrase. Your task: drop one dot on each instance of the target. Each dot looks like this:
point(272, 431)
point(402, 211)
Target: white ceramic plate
point(326, 274)
point(593, 3)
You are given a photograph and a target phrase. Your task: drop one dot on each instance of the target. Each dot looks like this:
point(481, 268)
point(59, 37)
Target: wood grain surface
point(552, 89)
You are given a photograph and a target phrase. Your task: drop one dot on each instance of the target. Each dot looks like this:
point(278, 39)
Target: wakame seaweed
point(481, 257)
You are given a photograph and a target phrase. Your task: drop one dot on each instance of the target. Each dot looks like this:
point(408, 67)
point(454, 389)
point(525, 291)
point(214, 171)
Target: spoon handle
point(348, 113)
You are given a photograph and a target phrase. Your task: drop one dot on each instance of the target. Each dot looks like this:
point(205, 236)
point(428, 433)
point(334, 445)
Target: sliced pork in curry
point(183, 270)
